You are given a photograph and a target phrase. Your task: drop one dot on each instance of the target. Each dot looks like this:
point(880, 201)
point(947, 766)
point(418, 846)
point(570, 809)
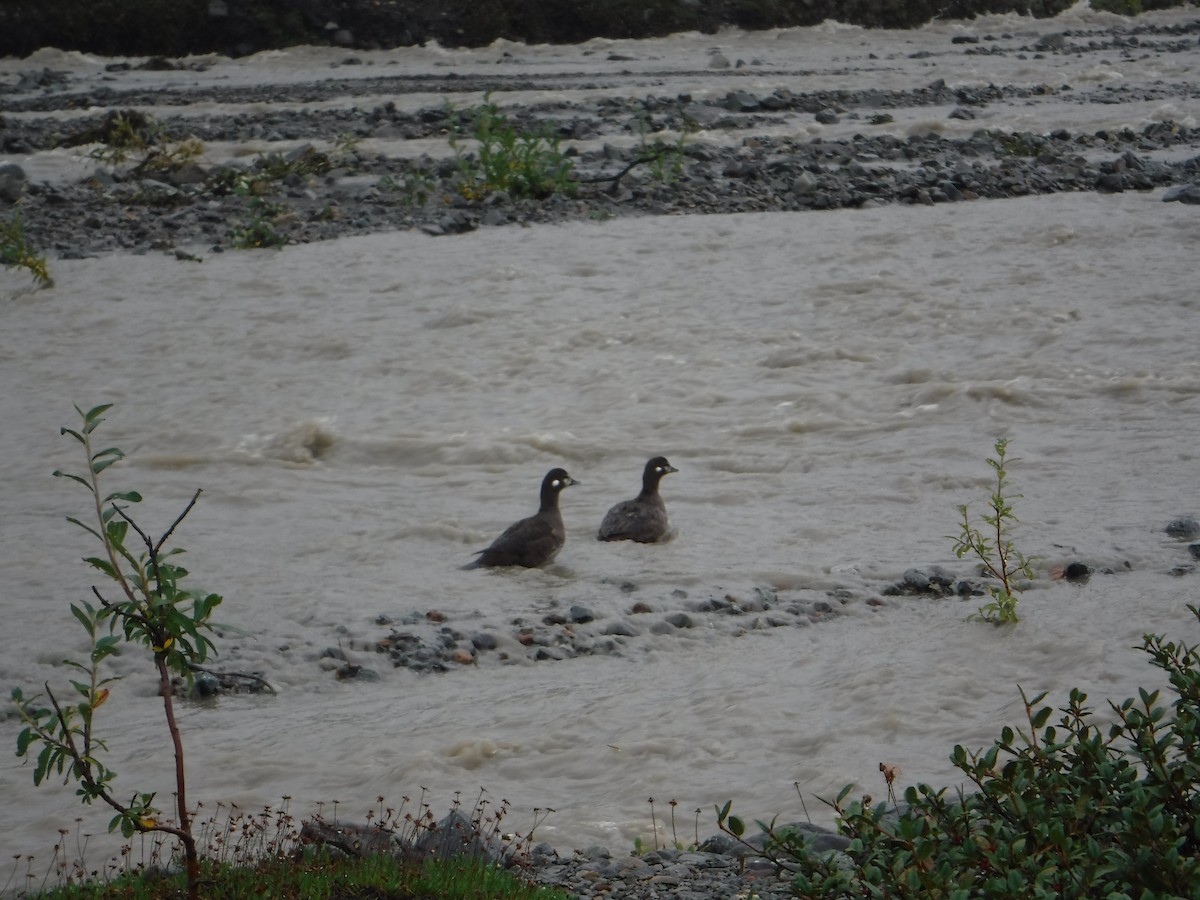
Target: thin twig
point(187, 509)
point(100, 597)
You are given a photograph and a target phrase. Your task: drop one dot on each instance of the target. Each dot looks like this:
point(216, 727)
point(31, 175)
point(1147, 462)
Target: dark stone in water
point(1077, 572)
point(1182, 193)
point(485, 641)
point(680, 620)
point(206, 685)
point(934, 581)
point(1185, 528)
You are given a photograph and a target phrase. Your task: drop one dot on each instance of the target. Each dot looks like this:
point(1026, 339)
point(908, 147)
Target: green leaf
point(24, 739)
point(736, 826)
point(203, 607)
point(92, 418)
point(87, 528)
point(84, 619)
point(106, 646)
point(128, 496)
point(1040, 717)
point(116, 531)
point(103, 565)
point(98, 467)
point(43, 764)
point(59, 473)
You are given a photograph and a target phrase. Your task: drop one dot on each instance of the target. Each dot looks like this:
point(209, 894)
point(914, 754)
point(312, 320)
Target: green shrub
point(150, 608)
point(999, 559)
point(524, 164)
point(1079, 808)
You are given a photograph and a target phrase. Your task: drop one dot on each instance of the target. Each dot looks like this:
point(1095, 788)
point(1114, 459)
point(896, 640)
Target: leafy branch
point(153, 611)
point(993, 546)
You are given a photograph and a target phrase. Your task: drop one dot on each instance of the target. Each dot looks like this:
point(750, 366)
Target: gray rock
point(805, 183)
point(484, 641)
point(13, 181)
point(621, 629)
point(580, 615)
point(1182, 193)
point(1051, 42)
point(740, 101)
point(456, 836)
point(1185, 528)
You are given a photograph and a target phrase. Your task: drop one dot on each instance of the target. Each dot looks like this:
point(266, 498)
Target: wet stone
point(679, 620)
point(621, 629)
point(485, 641)
point(1185, 528)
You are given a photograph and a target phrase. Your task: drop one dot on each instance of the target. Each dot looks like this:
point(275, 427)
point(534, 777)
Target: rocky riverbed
point(154, 187)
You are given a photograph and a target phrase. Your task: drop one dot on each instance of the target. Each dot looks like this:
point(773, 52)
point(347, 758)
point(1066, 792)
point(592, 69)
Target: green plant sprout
point(16, 252)
point(129, 133)
point(993, 546)
point(152, 610)
point(664, 160)
point(524, 164)
point(262, 230)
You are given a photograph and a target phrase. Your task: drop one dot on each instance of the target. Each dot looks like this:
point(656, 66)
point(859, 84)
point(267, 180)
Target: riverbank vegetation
point(1071, 803)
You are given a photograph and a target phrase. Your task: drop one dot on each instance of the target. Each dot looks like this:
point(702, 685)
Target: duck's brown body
point(644, 518)
point(536, 540)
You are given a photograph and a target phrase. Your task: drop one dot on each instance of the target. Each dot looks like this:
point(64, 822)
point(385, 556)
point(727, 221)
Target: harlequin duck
point(533, 541)
point(644, 518)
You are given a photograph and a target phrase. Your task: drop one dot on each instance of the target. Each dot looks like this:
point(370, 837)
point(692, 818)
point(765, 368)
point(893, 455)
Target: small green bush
point(524, 164)
point(148, 608)
point(1073, 809)
point(17, 253)
point(992, 545)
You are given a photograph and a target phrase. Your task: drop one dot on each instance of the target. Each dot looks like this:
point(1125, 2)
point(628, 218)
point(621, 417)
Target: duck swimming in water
point(644, 518)
point(536, 540)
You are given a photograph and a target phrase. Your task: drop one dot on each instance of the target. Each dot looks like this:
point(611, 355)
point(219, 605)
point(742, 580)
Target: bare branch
point(166, 534)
